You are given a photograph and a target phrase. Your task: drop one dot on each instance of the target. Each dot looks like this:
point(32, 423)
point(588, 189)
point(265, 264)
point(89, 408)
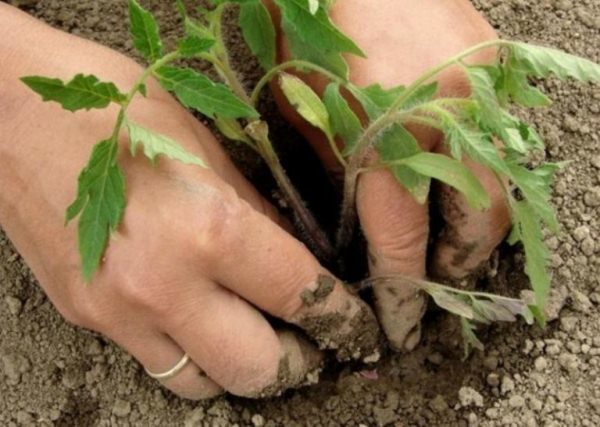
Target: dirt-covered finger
point(396, 227)
point(265, 265)
point(236, 346)
point(469, 236)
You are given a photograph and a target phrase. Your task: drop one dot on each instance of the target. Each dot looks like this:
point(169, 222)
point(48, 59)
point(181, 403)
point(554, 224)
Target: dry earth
point(52, 374)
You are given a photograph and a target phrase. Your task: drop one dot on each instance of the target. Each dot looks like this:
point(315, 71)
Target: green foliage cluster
point(472, 126)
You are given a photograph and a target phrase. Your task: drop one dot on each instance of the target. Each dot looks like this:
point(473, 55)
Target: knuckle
point(219, 226)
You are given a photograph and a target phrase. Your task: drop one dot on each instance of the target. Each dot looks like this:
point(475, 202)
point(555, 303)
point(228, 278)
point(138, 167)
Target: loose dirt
point(52, 374)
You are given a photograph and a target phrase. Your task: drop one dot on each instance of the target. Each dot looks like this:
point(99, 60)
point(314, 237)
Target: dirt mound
point(56, 375)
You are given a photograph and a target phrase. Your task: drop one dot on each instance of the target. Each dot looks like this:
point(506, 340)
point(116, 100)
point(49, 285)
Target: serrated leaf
point(332, 61)
point(101, 202)
point(494, 312)
point(344, 121)
point(535, 185)
point(315, 29)
point(82, 92)
point(541, 61)
point(375, 99)
point(383, 98)
point(306, 102)
point(399, 144)
point(470, 339)
point(144, 31)
point(314, 37)
point(478, 146)
point(452, 303)
point(193, 45)
point(483, 91)
point(452, 173)
point(515, 84)
point(259, 32)
point(527, 228)
point(194, 90)
point(155, 144)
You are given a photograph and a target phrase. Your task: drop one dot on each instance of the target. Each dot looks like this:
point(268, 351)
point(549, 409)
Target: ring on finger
point(171, 372)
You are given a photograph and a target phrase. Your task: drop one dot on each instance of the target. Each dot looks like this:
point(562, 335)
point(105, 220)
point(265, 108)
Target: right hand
point(402, 40)
point(199, 253)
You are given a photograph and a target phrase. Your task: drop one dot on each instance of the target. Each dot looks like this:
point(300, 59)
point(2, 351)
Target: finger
point(262, 263)
point(236, 346)
point(469, 235)
point(158, 353)
point(396, 227)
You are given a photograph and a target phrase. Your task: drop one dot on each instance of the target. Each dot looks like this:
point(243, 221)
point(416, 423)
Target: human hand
point(404, 40)
point(199, 252)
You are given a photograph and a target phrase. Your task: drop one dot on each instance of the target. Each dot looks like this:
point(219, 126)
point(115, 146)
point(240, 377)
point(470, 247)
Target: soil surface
point(52, 374)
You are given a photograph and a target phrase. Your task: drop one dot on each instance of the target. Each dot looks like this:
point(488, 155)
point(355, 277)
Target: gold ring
point(171, 372)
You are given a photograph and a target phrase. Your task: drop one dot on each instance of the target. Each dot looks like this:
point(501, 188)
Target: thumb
point(396, 227)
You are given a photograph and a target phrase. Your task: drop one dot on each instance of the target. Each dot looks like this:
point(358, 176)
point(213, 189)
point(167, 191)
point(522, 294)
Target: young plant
point(470, 126)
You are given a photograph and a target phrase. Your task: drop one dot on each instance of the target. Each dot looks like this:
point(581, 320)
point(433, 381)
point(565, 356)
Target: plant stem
point(428, 287)
point(312, 233)
point(297, 63)
point(371, 134)
point(137, 86)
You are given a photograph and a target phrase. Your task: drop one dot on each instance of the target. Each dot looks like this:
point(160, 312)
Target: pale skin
point(200, 254)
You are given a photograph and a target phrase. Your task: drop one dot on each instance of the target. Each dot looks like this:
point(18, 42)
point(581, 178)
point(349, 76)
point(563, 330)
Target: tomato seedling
point(470, 125)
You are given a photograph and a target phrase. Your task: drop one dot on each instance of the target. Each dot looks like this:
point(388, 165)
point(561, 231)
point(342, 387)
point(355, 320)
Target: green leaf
point(306, 102)
point(193, 45)
point(470, 339)
point(452, 303)
point(541, 61)
point(101, 202)
point(155, 144)
point(511, 82)
point(399, 144)
point(231, 129)
point(535, 185)
point(313, 37)
point(483, 91)
point(375, 99)
point(197, 91)
point(344, 122)
point(83, 92)
point(144, 31)
point(332, 61)
point(527, 229)
point(259, 32)
point(371, 107)
point(478, 146)
point(315, 29)
point(452, 173)
point(383, 98)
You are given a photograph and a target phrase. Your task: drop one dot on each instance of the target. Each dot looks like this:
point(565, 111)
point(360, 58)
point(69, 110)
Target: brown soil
point(56, 375)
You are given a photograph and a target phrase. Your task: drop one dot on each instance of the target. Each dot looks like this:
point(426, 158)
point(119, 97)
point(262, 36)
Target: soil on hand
point(52, 374)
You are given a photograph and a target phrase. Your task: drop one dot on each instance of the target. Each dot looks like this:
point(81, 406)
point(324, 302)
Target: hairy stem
point(375, 129)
